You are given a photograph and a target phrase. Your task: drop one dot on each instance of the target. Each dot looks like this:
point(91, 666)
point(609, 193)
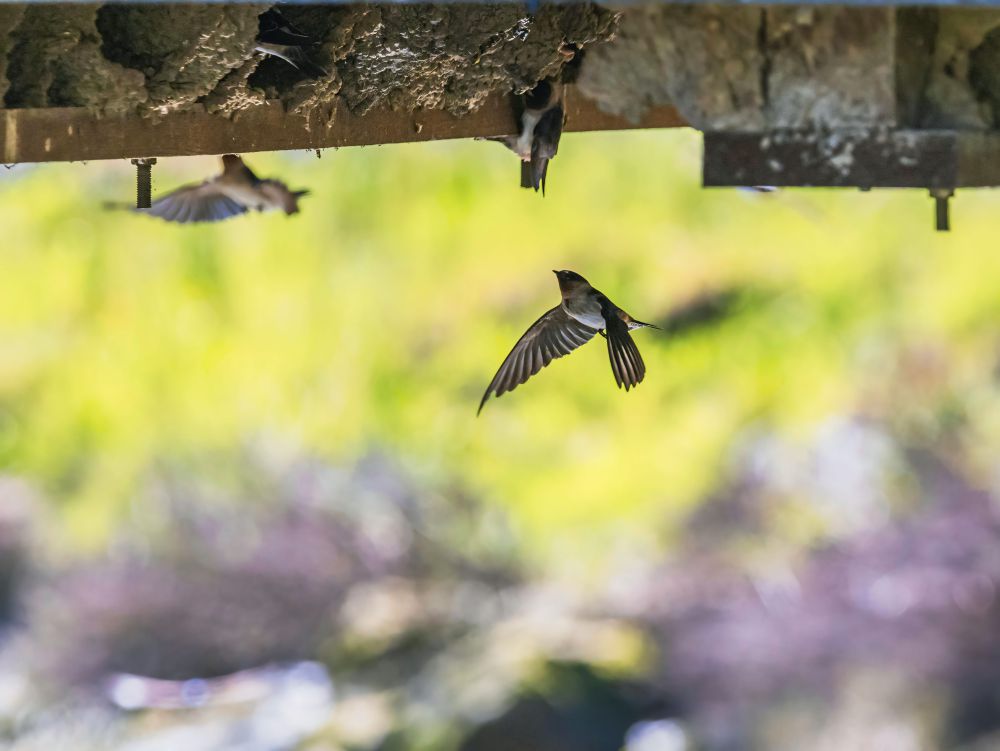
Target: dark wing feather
point(553, 335)
point(545, 145)
point(195, 203)
point(626, 362)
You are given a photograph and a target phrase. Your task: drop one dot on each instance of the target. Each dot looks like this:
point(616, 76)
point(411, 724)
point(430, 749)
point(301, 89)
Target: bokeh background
point(246, 502)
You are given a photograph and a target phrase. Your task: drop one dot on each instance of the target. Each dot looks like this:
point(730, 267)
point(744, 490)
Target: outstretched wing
point(195, 203)
point(626, 362)
point(553, 335)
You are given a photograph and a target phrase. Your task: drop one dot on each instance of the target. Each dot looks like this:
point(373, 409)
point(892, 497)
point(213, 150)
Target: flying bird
point(277, 36)
point(540, 115)
point(236, 191)
point(583, 312)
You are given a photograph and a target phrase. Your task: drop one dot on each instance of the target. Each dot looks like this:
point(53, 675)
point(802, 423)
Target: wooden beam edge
point(77, 134)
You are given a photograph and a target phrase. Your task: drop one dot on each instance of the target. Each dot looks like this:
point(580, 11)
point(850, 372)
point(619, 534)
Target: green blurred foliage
point(375, 319)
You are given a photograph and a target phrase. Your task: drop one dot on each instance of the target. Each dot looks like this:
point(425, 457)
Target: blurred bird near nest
point(235, 191)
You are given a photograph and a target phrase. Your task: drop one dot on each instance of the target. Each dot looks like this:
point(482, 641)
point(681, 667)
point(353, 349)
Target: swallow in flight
point(583, 312)
point(236, 191)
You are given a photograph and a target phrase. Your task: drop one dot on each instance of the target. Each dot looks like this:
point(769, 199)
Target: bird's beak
point(555, 272)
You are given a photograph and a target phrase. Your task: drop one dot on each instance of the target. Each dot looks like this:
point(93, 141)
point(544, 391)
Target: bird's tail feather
point(539, 169)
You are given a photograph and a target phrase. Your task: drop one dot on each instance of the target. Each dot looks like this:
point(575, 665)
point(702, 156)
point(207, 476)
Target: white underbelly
point(247, 196)
point(588, 315)
point(522, 146)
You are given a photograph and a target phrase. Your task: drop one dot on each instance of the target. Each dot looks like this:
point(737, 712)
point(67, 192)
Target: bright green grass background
point(374, 320)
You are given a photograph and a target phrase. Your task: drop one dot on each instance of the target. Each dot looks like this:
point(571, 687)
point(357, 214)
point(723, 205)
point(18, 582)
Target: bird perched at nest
point(583, 312)
point(235, 191)
point(540, 115)
point(277, 36)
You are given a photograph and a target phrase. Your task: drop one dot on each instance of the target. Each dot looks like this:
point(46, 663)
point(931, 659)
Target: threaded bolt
point(143, 182)
point(942, 221)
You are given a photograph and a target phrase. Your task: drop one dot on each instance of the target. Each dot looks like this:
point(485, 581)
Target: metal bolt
point(143, 182)
point(942, 221)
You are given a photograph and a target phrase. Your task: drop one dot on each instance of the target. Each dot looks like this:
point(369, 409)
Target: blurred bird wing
point(195, 203)
point(626, 362)
point(553, 335)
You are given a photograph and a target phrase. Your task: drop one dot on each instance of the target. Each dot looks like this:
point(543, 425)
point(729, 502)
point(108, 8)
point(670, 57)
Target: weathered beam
point(70, 134)
point(935, 159)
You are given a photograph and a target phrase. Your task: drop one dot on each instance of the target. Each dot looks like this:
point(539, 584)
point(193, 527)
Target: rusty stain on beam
point(70, 134)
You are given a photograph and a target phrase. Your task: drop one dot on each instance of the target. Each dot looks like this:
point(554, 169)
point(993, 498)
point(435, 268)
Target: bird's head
point(569, 280)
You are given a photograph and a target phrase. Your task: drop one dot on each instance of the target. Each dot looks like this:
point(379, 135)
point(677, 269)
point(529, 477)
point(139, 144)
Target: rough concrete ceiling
point(724, 67)
point(754, 68)
point(418, 71)
point(156, 59)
